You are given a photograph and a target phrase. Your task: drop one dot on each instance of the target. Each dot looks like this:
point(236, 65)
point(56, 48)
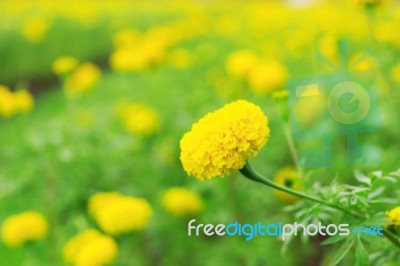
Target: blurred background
point(95, 96)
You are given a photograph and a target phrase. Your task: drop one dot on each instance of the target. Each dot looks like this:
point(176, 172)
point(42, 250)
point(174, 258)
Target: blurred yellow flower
point(223, 140)
point(118, 214)
point(126, 38)
point(181, 201)
point(394, 216)
point(90, 248)
point(34, 30)
point(240, 63)
point(24, 101)
point(360, 63)
point(287, 177)
point(64, 64)
point(308, 110)
point(329, 46)
point(8, 106)
point(140, 119)
point(21, 228)
point(82, 79)
point(127, 59)
point(267, 77)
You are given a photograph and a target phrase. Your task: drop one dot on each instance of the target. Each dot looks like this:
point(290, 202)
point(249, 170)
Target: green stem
point(249, 172)
point(393, 238)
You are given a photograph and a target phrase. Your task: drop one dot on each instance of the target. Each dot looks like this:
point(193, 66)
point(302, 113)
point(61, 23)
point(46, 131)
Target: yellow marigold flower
point(126, 38)
point(90, 248)
point(64, 64)
point(181, 201)
point(394, 216)
point(267, 77)
point(140, 119)
point(358, 63)
point(83, 78)
point(329, 47)
point(309, 110)
point(21, 228)
point(8, 107)
point(240, 63)
point(34, 30)
point(223, 140)
point(128, 59)
point(24, 101)
point(118, 214)
point(287, 177)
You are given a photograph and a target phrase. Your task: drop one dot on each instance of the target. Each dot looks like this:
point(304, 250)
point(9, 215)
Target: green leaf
point(341, 252)
point(333, 239)
point(361, 254)
point(362, 178)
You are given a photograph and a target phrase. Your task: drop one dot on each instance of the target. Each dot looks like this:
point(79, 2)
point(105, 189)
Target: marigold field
point(121, 121)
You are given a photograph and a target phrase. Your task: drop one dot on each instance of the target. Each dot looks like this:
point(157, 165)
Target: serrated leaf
point(333, 239)
point(377, 174)
point(361, 254)
point(375, 193)
point(362, 178)
point(341, 252)
point(389, 178)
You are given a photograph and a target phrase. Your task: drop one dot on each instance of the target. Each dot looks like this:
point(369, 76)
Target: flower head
point(223, 140)
point(287, 177)
point(394, 216)
point(24, 101)
point(83, 78)
point(90, 248)
point(64, 64)
point(267, 77)
point(118, 214)
point(34, 30)
point(140, 119)
point(8, 107)
point(21, 228)
point(239, 63)
point(181, 201)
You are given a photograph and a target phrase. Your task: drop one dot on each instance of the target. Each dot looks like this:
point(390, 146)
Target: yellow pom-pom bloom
point(223, 140)
point(267, 77)
point(118, 214)
point(21, 228)
point(90, 248)
point(126, 38)
point(8, 107)
point(64, 64)
point(239, 64)
point(139, 118)
point(24, 101)
point(394, 216)
point(34, 30)
point(287, 177)
point(83, 78)
point(181, 201)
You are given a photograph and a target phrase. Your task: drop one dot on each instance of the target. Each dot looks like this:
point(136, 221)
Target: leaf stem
point(251, 174)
